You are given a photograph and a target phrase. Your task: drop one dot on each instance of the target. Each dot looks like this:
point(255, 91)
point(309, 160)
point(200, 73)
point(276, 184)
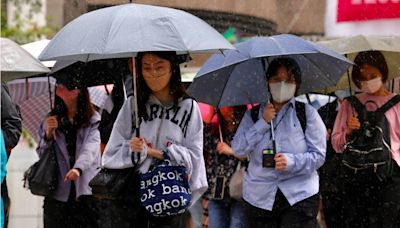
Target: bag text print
point(165, 190)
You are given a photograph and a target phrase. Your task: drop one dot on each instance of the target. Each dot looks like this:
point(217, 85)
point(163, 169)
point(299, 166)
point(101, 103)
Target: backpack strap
point(388, 105)
point(358, 106)
point(301, 114)
point(254, 112)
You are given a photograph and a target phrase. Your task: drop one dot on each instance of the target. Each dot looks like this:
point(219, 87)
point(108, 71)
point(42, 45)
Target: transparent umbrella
point(33, 97)
point(351, 46)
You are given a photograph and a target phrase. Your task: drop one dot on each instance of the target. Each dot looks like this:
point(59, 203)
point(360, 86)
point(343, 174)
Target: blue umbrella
point(237, 77)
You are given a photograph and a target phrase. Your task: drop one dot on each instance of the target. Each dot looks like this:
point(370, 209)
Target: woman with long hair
point(72, 130)
point(170, 124)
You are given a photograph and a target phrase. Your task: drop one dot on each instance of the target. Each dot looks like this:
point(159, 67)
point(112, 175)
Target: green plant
point(24, 29)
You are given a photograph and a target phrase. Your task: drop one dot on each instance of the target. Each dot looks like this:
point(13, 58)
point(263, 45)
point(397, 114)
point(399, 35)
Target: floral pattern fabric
point(215, 162)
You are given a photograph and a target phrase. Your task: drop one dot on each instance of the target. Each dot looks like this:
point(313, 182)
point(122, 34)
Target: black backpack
point(367, 157)
point(300, 112)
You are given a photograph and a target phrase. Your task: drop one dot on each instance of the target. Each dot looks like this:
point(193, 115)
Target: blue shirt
point(305, 153)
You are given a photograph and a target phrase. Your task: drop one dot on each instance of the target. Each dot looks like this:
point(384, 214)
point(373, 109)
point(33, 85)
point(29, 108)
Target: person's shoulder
point(188, 101)
point(96, 117)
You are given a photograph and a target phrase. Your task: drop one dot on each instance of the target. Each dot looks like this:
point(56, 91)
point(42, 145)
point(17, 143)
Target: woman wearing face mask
point(378, 205)
point(170, 123)
point(284, 194)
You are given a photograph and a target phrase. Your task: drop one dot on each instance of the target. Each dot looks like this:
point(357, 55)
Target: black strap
point(358, 106)
point(300, 113)
point(254, 112)
point(388, 105)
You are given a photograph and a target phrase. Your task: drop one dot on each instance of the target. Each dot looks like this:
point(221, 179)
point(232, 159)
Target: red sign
point(363, 10)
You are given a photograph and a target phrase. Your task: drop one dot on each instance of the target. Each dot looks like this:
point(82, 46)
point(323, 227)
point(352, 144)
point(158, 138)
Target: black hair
point(85, 109)
point(291, 66)
point(372, 58)
point(176, 87)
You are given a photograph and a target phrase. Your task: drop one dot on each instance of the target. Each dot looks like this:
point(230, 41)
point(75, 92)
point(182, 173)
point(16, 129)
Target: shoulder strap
point(301, 114)
point(254, 113)
point(357, 105)
point(388, 105)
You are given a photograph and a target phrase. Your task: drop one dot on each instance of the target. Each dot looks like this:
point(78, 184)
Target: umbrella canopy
point(351, 46)
point(123, 30)
point(18, 63)
point(32, 96)
point(238, 77)
point(36, 47)
point(96, 72)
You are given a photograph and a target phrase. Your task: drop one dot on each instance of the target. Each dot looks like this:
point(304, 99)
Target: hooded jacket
point(179, 130)
point(87, 157)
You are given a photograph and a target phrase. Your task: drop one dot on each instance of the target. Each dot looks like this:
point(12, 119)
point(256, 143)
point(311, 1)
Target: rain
point(336, 159)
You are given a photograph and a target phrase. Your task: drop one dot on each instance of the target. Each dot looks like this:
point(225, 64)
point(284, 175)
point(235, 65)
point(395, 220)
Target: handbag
point(236, 183)
point(42, 177)
point(112, 183)
point(164, 190)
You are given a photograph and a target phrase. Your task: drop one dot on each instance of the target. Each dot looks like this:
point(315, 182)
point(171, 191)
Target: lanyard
point(276, 125)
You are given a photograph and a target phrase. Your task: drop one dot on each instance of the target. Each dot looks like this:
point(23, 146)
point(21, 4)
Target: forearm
point(155, 153)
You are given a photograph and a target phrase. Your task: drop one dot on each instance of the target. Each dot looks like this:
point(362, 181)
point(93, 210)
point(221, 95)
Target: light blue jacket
point(305, 153)
point(88, 157)
point(3, 159)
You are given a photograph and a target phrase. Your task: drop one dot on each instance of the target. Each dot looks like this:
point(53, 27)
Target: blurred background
point(25, 21)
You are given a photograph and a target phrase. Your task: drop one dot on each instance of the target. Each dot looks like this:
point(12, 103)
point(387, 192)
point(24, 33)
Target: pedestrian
point(372, 197)
point(170, 125)
point(224, 211)
point(72, 127)
point(281, 189)
point(12, 129)
point(330, 180)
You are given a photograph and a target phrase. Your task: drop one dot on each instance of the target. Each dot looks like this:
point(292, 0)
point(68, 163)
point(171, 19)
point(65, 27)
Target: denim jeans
point(226, 213)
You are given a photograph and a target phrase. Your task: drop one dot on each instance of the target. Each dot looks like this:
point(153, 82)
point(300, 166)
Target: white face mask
point(372, 85)
point(282, 91)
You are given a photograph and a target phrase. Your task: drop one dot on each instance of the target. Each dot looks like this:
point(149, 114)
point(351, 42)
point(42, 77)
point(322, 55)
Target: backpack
point(367, 155)
point(300, 113)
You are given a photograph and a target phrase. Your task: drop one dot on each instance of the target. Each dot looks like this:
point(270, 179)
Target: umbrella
point(96, 72)
point(238, 77)
point(122, 31)
point(351, 46)
point(18, 63)
point(36, 47)
point(32, 96)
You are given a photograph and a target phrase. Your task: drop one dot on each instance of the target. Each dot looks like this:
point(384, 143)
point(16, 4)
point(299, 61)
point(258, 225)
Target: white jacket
point(180, 131)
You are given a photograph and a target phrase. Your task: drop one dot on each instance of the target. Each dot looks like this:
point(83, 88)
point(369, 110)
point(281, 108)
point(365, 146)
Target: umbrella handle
point(349, 81)
point(51, 101)
point(134, 100)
